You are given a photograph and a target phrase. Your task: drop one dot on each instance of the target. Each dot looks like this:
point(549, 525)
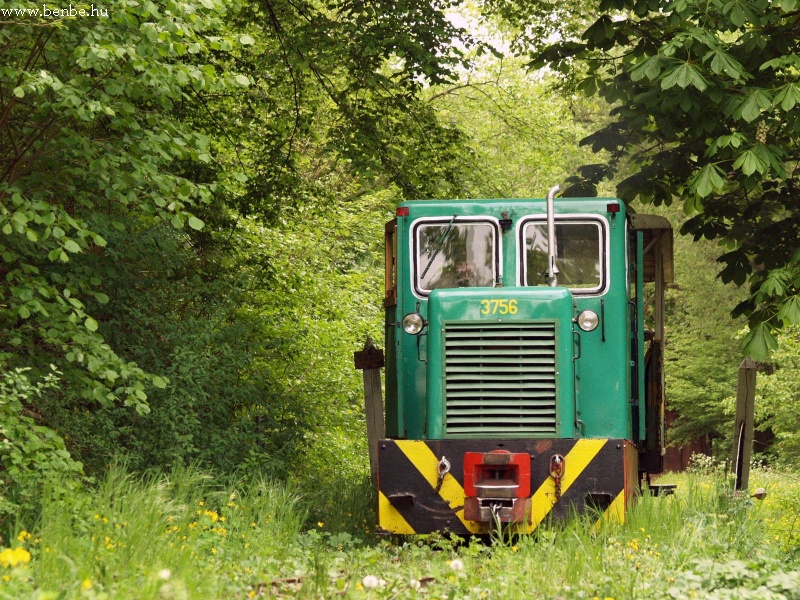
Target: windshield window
point(579, 254)
point(451, 254)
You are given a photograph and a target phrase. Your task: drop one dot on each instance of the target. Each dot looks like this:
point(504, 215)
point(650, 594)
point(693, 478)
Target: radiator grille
point(500, 378)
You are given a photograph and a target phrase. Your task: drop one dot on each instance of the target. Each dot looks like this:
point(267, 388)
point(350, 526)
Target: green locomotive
point(521, 382)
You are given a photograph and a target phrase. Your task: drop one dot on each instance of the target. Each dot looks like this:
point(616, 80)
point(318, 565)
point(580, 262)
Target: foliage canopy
point(705, 97)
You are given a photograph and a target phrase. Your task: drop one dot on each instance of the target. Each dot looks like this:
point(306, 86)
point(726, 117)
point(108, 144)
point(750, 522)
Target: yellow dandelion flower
point(86, 584)
point(17, 556)
point(320, 524)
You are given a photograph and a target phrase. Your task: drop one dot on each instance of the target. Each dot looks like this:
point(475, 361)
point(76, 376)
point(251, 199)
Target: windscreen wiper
point(439, 245)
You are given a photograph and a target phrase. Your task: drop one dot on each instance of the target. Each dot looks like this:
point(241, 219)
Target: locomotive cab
point(518, 385)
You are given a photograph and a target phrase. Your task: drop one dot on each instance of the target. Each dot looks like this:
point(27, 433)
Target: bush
point(31, 455)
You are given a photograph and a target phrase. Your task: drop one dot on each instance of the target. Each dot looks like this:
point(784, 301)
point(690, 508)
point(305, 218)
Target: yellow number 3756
point(499, 306)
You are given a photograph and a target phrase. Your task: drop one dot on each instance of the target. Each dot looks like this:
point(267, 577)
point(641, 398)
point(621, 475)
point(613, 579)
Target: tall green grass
point(183, 534)
point(176, 535)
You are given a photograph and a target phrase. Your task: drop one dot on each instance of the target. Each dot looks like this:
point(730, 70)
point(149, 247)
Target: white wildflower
point(370, 581)
point(456, 564)
point(164, 574)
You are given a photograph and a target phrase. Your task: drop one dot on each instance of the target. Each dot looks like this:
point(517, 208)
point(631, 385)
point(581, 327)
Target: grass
point(183, 535)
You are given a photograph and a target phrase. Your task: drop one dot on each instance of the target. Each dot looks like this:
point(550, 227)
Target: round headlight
point(588, 320)
point(413, 323)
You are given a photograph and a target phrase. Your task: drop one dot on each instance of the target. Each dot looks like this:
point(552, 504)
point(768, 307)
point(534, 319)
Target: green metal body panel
point(451, 309)
point(593, 370)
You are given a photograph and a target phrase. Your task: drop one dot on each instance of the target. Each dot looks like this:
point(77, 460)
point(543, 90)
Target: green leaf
point(789, 312)
point(733, 140)
point(650, 68)
point(195, 223)
point(246, 40)
point(774, 285)
point(749, 162)
point(750, 109)
point(90, 324)
point(242, 80)
point(759, 342)
point(787, 96)
point(741, 11)
point(708, 179)
point(71, 246)
point(19, 92)
point(600, 30)
point(789, 60)
point(725, 63)
point(683, 76)
point(159, 382)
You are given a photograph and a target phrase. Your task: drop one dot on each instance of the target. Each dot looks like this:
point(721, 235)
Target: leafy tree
point(30, 455)
point(778, 397)
point(702, 354)
point(336, 89)
point(523, 136)
point(88, 148)
point(148, 154)
point(705, 97)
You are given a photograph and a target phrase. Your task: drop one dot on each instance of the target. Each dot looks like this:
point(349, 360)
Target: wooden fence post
point(369, 361)
point(743, 424)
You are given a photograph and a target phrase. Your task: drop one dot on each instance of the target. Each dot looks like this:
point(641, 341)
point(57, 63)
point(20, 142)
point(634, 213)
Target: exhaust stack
point(552, 270)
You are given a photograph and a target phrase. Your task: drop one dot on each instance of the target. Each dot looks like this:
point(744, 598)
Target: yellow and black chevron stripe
point(600, 473)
